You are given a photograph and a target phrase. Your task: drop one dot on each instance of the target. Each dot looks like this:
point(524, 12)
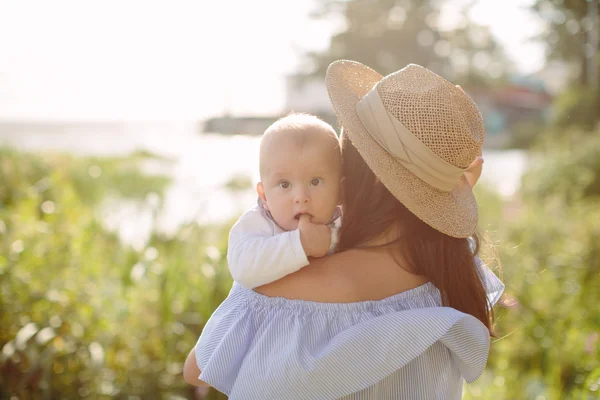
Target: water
point(202, 164)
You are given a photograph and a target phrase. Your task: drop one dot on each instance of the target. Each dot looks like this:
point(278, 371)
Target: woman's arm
point(191, 372)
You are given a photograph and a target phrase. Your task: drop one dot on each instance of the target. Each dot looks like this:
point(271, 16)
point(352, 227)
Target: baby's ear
point(260, 189)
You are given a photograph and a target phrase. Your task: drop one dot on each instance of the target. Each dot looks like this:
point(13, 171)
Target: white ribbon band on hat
point(405, 147)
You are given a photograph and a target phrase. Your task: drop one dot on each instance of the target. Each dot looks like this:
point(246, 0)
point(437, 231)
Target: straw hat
point(418, 133)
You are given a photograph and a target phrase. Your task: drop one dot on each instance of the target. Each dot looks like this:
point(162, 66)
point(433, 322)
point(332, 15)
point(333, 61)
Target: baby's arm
point(257, 256)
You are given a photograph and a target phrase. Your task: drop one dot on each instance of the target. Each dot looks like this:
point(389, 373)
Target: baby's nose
point(301, 198)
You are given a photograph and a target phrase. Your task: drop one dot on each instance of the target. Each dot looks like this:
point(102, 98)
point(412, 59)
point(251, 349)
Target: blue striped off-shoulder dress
point(406, 346)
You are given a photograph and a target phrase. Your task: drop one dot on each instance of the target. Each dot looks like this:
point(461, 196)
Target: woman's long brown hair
point(448, 262)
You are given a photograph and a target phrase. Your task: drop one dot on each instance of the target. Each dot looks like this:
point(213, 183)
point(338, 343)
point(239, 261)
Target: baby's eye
point(284, 184)
point(315, 181)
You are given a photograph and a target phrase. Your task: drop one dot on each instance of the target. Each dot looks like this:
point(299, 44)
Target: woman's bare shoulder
point(349, 276)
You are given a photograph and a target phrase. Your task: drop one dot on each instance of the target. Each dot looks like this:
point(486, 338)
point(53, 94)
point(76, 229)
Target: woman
point(403, 310)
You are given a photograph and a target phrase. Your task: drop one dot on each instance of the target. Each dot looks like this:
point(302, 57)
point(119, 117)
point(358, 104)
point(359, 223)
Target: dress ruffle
point(257, 347)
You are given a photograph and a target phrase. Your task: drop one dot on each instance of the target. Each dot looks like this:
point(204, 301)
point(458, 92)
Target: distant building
point(238, 125)
point(524, 100)
point(308, 95)
point(506, 110)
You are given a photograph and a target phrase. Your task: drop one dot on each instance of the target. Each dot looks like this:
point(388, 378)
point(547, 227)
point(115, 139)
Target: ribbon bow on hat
point(397, 140)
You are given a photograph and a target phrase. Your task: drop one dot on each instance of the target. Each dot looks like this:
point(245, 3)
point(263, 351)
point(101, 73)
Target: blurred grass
point(84, 315)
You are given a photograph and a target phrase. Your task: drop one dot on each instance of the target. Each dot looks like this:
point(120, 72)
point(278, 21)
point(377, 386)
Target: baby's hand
point(315, 238)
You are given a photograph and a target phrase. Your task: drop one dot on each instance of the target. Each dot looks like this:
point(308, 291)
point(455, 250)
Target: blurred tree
point(571, 36)
point(388, 34)
point(567, 34)
point(578, 106)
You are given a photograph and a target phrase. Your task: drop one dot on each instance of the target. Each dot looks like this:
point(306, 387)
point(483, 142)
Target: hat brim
point(453, 213)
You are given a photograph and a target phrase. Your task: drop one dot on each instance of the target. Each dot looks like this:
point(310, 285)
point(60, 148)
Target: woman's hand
point(473, 172)
point(191, 372)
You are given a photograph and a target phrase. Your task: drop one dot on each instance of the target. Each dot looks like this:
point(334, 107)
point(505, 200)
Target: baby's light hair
point(301, 122)
point(300, 128)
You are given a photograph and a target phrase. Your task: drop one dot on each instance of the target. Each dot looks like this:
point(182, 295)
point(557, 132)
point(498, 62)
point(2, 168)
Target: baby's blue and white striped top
point(403, 347)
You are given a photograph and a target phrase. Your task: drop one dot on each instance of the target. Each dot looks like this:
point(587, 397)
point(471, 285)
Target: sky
point(180, 60)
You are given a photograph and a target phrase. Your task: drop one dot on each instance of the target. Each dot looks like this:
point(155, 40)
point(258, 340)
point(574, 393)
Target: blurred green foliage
point(578, 106)
point(565, 169)
point(523, 135)
point(85, 315)
point(549, 343)
point(82, 314)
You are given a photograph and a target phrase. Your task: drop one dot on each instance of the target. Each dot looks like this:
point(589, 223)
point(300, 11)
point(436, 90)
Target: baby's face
point(300, 180)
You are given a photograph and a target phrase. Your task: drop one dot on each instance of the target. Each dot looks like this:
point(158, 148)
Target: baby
point(299, 195)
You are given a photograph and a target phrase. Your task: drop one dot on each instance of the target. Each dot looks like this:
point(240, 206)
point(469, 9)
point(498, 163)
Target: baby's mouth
point(297, 216)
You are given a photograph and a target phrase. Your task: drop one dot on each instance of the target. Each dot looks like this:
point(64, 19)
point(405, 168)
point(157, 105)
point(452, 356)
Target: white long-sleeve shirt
point(260, 252)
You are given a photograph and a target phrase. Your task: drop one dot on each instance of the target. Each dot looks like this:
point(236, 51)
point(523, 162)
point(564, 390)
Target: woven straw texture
point(440, 115)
